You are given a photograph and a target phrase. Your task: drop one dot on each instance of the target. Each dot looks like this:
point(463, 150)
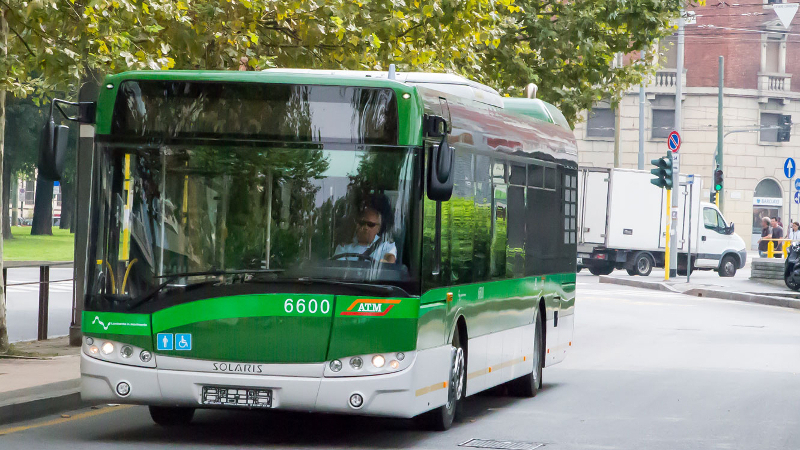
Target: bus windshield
point(170, 216)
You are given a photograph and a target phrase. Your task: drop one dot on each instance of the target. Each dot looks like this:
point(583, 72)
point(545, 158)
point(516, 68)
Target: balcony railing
point(665, 78)
point(774, 82)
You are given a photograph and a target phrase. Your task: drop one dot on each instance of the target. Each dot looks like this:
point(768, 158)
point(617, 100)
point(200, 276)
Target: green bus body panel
point(115, 323)
point(410, 109)
point(494, 306)
point(126, 328)
point(281, 339)
point(251, 328)
point(373, 325)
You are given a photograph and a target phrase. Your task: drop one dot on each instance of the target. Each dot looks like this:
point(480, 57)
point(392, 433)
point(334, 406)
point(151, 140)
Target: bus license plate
point(230, 396)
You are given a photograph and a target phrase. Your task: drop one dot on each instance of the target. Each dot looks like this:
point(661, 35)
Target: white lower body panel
point(421, 387)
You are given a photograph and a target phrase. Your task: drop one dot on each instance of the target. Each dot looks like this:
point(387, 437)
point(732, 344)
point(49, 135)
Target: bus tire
point(528, 385)
point(441, 418)
point(168, 416)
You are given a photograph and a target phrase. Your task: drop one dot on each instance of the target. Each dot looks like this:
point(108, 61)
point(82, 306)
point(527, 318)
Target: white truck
point(622, 225)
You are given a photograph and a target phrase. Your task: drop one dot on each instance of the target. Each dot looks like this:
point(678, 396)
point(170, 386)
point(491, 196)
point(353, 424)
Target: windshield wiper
point(383, 289)
point(174, 276)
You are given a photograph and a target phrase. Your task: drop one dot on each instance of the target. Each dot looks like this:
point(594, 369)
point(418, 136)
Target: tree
point(24, 121)
point(565, 47)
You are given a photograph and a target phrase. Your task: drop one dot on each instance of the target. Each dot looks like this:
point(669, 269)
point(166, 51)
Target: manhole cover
point(510, 445)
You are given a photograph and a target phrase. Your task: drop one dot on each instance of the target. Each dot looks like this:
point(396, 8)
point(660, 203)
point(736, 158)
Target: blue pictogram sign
point(164, 341)
point(183, 341)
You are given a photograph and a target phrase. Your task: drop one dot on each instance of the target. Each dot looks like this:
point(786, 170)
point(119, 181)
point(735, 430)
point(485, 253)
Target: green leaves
point(564, 47)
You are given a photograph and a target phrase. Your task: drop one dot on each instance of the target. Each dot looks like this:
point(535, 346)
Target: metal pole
point(617, 134)
point(667, 254)
point(689, 254)
point(44, 301)
point(676, 175)
point(720, 136)
point(640, 164)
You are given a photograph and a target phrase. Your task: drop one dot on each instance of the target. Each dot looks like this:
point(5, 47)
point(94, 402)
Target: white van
point(622, 225)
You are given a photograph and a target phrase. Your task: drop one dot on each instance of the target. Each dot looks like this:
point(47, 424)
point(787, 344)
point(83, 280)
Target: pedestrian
point(794, 233)
point(781, 223)
point(765, 235)
point(777, 233)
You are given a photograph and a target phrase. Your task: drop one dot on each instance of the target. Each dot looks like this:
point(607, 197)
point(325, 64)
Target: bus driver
point(369, 242)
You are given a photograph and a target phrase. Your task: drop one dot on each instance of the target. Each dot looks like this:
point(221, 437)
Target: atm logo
point(370, 307)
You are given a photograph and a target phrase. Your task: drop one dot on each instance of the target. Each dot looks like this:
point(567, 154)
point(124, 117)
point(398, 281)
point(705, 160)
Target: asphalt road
point(648, 370)
point(22, 303)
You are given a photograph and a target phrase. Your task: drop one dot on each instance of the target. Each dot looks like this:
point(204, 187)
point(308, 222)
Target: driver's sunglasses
point(367, 223)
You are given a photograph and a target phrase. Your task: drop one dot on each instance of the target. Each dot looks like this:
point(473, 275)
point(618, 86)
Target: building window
point(601, 122)
point(30, 186)
point(668, 52)
point(773, 56)
point(663, 116)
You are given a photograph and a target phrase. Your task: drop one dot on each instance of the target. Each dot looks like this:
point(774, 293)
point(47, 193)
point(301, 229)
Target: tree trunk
point(43, 208)
point(67, 205)
point(6, 202)
point(4, 46)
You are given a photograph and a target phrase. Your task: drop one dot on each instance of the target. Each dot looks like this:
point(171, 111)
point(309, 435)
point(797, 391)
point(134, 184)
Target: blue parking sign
point(183, 341)
point(164, 341)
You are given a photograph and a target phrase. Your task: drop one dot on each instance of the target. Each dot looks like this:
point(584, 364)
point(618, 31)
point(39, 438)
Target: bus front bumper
point(401, 394)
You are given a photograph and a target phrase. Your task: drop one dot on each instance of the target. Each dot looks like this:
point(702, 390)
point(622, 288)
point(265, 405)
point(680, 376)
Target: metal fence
point(44, 287)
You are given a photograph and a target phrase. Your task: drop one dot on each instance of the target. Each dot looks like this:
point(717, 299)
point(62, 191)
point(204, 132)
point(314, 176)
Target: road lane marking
point(97, 412)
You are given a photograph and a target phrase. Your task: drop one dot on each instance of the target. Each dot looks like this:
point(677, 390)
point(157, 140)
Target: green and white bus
point(346, 242)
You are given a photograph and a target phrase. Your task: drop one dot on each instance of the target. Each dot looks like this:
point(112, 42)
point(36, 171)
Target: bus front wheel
point(441, 418)
point(528, 385)
point(167, 416)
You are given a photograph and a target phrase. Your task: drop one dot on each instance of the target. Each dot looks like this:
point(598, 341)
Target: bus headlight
point(379, 364)
point(107, 348)
point(117, 352)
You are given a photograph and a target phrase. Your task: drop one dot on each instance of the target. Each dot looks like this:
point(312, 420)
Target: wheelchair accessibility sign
point(183, 341)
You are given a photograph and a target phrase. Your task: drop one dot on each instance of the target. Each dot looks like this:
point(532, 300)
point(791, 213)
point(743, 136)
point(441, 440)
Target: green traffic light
point(717, 187)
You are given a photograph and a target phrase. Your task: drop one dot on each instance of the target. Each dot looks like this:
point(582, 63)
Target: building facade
point(761, 56)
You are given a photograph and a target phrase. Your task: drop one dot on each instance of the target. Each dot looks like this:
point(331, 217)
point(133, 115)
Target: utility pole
point(616, 134)
point(720, 136)
point(673, 257)
point(640, 164)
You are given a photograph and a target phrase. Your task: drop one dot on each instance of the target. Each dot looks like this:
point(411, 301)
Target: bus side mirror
point(52, 150)
point(441, 160)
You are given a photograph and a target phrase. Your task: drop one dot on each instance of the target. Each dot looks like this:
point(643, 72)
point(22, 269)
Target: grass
point(24, 247)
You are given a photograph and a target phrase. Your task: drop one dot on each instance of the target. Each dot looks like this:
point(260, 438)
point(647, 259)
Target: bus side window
point(499, 228)
point(483, 219)
point(461, 225)
point(515, 249)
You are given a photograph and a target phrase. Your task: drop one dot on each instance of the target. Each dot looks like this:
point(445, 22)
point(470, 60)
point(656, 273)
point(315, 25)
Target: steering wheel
point(353, 255)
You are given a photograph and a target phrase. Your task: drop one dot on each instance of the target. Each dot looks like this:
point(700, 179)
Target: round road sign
point(674, 141)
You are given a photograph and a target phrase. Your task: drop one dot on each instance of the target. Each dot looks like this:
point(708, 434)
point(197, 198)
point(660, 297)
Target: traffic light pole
point(673, 255)
point(667, 252)
point(720, 136)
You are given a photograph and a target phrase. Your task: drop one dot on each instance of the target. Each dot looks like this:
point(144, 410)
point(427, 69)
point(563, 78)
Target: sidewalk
point(34, 386)
point(709, 284)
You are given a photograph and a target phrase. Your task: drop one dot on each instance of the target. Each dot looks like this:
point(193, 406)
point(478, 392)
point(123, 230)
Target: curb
point(710, 293)
point(38, 401)
point(659, 286)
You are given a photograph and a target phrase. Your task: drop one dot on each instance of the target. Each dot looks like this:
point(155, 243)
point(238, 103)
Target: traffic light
point(713, 197)
point(663, 171)
point(785, 128)
point(718, 180)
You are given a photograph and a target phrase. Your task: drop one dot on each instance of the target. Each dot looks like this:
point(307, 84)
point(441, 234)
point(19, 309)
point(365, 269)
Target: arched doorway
point(767, 202)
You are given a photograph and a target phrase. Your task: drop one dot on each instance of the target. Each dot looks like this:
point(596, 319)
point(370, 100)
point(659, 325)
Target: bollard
point(785, 248)
point(771, 249)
